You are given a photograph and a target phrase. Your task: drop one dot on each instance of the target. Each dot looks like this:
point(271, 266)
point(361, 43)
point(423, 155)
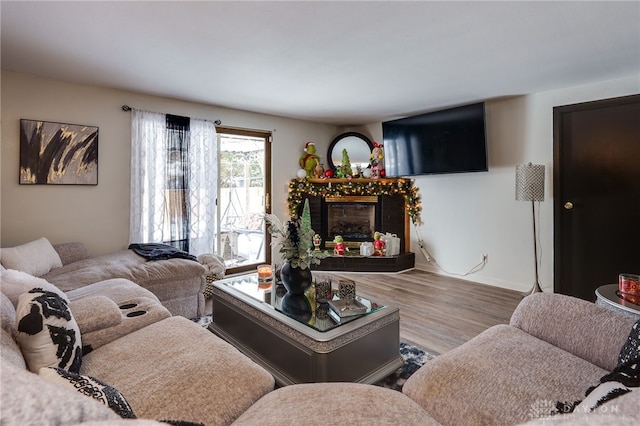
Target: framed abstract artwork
point(58, 153)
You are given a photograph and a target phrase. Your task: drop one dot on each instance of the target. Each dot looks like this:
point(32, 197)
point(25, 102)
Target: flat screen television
point(446, 141)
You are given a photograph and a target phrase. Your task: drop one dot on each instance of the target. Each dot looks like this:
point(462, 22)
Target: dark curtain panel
point(177, 171)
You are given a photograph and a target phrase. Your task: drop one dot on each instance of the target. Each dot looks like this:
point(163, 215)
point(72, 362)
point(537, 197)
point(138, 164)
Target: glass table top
point(319, 315)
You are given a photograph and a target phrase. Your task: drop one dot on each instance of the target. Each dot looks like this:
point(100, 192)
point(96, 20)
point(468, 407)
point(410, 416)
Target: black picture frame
point(58, 153)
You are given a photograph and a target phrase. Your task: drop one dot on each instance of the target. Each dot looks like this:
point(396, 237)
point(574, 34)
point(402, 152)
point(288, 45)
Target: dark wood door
point(596, 194)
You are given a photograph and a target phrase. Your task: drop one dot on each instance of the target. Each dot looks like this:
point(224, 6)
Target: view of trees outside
point(241, 200)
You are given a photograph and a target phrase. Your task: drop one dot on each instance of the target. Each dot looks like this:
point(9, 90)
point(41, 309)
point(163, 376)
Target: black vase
point(297, 306)
point(295, 280)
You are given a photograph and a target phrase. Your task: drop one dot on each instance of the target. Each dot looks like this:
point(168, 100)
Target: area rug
point(413, 358)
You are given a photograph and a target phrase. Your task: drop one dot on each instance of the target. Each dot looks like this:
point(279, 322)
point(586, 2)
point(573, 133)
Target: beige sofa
point(169, 368)
point(553, 350)
point(166, 367)
point(178, 283)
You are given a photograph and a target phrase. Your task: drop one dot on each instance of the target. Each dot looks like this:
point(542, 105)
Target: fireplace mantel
point(397, 202)
point(299, 189)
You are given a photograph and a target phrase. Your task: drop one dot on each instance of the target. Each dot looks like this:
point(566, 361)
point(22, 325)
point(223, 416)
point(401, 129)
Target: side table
point(607, 296)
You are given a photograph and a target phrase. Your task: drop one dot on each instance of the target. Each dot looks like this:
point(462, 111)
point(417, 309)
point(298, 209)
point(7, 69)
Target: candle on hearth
point(265, 276)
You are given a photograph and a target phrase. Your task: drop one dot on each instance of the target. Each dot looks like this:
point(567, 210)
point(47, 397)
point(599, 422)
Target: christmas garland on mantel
point(301, 188)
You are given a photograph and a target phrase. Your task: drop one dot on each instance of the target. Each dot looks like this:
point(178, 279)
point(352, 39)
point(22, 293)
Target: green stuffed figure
point(309, 160)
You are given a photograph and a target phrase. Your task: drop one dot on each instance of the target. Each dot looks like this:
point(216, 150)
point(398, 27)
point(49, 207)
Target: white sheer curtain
point(149, 181)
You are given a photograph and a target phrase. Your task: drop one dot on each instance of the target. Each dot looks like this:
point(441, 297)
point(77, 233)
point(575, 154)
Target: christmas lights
point(299, 189)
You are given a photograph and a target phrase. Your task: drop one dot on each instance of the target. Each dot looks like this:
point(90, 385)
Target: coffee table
point(303, 346)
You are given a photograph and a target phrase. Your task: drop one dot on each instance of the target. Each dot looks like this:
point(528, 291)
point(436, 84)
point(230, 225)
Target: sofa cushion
point(7, 315)
point(501, 376)
point(336, 404)
point(8, 333)
point(14, 283)
point(106, 321)
point(622, 380)
point(91, 387)
point(27, 399)
point(95, 313)
point(71, 252)
point(120, 290)
point(35, 257)
point(552, 317)
point(175, 356)
point(48, 334)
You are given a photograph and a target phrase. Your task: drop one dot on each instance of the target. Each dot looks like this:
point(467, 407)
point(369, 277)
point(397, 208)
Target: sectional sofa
point(164, 368)
point(178, 283)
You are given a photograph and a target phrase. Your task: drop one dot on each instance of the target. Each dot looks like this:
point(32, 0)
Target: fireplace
point(355, 218)
point(356, 209)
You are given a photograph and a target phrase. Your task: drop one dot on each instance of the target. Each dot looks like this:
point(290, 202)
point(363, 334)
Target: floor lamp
point(530, 187)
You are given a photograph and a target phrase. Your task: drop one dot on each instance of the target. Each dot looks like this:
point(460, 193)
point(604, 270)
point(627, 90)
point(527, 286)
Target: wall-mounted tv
point(446, 141)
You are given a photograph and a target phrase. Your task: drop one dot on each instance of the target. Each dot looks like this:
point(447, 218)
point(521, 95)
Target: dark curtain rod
point(127, 108)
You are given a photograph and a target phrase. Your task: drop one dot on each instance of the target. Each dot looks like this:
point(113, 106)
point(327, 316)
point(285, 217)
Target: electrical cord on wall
point(477, 268)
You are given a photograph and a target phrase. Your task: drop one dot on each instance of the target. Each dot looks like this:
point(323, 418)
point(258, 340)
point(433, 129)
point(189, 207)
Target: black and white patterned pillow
point(48, 335)
point(91, 387)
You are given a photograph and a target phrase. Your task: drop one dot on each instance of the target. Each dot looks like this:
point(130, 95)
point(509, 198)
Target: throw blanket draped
point(156, 251)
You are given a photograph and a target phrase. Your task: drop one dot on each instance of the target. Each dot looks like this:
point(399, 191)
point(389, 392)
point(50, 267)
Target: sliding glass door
point(243, 198)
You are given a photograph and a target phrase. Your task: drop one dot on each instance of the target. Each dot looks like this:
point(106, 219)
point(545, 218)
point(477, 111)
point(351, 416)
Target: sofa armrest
point(135, 313)
point(577, 326)
point(95, 313)
point(71, 252)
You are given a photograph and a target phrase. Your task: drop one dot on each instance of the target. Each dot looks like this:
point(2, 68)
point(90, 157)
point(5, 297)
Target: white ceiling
point(333, 62)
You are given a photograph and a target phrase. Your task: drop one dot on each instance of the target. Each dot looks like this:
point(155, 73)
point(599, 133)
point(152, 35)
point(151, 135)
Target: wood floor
point(437, 313)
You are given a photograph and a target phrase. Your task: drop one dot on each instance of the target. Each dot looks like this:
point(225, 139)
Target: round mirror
point(358, 148)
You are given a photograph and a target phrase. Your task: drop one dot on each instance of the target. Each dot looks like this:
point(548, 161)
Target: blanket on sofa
point(157, 251)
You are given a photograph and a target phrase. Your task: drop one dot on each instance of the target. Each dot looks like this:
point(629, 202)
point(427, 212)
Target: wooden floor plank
point(437, 313)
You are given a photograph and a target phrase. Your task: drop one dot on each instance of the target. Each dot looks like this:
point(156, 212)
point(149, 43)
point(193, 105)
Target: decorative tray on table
point(347, 307)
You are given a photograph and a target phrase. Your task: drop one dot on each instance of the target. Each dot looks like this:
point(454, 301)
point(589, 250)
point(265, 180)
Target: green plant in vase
point(294, 240)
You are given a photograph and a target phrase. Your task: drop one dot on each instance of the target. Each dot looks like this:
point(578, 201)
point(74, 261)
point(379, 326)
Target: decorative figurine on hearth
point(309, 160)
point(378, 244)
point(377, 161)
point(340, 248)
point(317, 240)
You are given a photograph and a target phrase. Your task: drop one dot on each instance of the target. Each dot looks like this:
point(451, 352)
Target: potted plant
point(294, 240)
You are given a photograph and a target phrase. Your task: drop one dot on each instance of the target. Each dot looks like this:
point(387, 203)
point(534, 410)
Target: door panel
point(243, 200)
point(596, 194)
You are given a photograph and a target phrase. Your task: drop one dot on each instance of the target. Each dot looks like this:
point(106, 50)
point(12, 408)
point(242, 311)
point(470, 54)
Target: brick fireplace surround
point(390, 216)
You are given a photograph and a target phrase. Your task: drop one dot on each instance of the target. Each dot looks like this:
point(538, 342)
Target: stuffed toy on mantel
point(377, 161)
point(309, 160)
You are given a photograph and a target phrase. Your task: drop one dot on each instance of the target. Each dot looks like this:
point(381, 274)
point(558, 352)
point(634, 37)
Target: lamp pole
point(536, 286)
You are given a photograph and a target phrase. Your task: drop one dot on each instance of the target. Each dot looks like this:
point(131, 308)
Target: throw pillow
point(91, 387)
point(48, 335)
point(36, 257)
point(600, 394)
point(14, 283)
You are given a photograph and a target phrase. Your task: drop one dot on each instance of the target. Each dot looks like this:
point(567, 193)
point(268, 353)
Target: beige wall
point(463, 215)
point(99, 215)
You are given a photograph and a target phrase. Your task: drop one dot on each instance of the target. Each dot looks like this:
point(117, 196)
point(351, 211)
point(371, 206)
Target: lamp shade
point(530, 182)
